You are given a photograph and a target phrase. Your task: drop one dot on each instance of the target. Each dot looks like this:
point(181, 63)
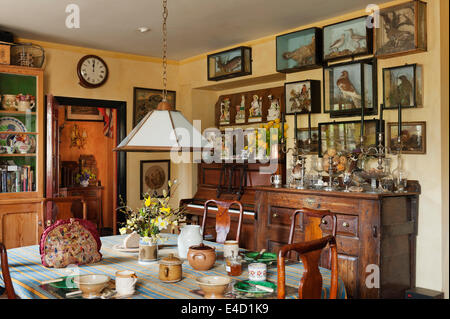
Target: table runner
point(27, 272)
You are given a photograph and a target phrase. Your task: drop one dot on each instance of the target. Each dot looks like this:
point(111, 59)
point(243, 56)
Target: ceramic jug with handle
point(190, 235)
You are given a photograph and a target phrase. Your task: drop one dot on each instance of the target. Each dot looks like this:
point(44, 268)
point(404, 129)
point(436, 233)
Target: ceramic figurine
point(240, 111)
point(225, 111)
point(255, 109)
point(274, 109)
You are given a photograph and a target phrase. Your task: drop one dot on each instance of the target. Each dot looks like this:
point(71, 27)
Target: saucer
point(119, 247)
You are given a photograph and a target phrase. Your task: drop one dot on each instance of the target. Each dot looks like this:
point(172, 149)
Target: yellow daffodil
point(277, 121)
point(123, 230)
point(148, 201)
point(165, 209)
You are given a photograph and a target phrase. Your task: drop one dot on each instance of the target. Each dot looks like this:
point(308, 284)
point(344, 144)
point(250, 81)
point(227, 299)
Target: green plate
point(66, 283)
point(265, 257)
point(243, 286)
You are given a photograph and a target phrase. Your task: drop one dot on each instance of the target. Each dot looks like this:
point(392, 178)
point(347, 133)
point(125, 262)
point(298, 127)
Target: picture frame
point(345, 136)
point(83, 113)
point(154, 175)
point(302, 97)
point(145, 100)
point(302, 139)
point(230, 63)
point(413, 137)
point(347, 39)
point(403, 85)
point(347, 87)
point(402, 30)
point(299, 50)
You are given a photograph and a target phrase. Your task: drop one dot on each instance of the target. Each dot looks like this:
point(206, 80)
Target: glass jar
point(400, 176)
point(387, 181)
point(233, 265)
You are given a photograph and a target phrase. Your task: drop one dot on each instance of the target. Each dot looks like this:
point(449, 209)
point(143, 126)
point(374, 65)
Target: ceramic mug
point(24, 106)
point(125, 282)
point(230, 248)
point(9, 102)
point(276, 180)
point(257, 272)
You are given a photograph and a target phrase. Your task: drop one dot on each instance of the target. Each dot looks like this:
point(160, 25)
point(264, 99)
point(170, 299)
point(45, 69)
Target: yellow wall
point(196, 98)
point(430, 169)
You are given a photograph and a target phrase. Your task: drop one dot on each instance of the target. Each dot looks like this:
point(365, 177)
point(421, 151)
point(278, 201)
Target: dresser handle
point(324, 222)
point(374, 232)
point(275, 215)
point(345, 224)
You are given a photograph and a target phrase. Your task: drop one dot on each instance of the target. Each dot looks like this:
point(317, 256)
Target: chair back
point(311, 283)
point(5, 273)
point(223, 219)
point(312, 229)
point(63, 208)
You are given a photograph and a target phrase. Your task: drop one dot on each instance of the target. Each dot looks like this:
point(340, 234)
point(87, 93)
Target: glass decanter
point(387, 181)
point(400, 176)
point(317, 165)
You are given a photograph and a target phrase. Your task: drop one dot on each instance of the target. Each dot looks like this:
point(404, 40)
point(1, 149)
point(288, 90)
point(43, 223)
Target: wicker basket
point(27, 54)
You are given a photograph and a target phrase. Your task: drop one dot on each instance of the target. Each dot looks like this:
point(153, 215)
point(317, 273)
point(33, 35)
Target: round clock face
point(92, 71)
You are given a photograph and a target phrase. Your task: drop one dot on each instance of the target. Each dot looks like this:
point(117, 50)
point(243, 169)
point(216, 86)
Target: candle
point(399, 121)
point(295, 125)
point(309, 125)
point(362, 124)
point(282, 126)
point(381, 119)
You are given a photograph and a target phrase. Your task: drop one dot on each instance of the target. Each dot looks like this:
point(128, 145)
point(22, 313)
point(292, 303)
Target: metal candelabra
point(299, 161)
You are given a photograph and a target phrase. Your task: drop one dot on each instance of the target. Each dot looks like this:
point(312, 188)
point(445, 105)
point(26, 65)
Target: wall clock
point(92, 71)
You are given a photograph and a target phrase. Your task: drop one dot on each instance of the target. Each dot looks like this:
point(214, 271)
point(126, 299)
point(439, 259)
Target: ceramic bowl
point(214, 286)
point(91, 285)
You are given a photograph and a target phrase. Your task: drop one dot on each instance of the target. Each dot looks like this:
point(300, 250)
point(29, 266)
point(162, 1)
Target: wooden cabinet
point(373, 232)
point(22, 165)
point(93, 196)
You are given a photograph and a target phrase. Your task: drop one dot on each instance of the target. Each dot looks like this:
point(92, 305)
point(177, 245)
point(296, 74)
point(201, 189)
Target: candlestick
point(399, 122)
point(309, 125)
point(282, 126)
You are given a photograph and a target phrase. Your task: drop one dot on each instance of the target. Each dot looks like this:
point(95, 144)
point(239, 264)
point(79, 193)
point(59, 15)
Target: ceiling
point(194, 26)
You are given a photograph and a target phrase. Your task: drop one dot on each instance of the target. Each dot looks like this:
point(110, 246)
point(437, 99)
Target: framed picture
point(302, 96)
point(413, 137)
point(347, 39)
point(155, 176)
point(302, 138)
point(83, 113)
point(402, 85)
point(348, 87)
point(230, 63)
point(145, 100)
point(299, 50)
point(402, 30)
point(345, 136)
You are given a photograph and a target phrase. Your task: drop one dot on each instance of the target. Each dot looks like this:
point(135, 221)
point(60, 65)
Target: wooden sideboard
point(93, 197)
point(374, 231)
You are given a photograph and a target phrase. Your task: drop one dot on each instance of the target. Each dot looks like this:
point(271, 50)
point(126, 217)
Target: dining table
point(28, 274)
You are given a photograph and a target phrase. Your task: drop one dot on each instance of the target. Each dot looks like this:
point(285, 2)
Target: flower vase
point(84, 183)
point(148, 251)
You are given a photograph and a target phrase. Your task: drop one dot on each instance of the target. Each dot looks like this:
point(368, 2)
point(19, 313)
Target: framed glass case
point(348, 87)
point(230, 63)
point(402, 85)
point(302, 96)
point(402, 30)
point(347, 39)
point(299, 50)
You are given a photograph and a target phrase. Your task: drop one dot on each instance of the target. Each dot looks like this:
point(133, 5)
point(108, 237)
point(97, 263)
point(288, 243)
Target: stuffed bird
point(338, 43)
point(404, 89)
point(348, 90)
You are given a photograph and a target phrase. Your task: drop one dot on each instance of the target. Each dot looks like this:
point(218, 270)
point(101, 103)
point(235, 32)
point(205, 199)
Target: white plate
point(119, 247)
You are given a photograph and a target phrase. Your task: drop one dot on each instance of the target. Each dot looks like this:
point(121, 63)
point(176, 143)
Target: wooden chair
point(311, 283)
point(5, 274)
point(64, 208)
point(223, 219)
point(313, 231)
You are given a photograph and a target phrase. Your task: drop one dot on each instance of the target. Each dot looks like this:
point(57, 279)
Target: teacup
point(9, 102)
point(8, 149)
point(125, 282)
point(25, 105)
point(91, 285)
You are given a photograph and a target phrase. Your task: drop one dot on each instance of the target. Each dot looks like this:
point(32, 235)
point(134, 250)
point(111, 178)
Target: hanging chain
point(165, 14)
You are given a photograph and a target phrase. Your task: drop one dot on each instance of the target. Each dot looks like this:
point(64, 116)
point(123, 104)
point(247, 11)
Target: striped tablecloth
point(27, 272)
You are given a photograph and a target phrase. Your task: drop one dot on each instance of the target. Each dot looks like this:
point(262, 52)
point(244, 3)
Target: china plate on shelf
point(119, 247)
point(11, 124)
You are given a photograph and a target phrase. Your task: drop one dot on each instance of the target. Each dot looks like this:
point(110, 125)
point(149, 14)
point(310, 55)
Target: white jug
point(190, 235)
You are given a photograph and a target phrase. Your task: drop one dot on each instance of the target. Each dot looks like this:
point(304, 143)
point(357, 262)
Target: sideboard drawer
point(347, 225)
point(281, 216)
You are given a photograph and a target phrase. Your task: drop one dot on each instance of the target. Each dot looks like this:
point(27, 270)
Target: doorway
point(81, 134)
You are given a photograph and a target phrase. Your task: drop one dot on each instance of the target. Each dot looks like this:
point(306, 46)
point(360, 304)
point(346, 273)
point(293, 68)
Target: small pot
point(201, 257)
point(170, 269)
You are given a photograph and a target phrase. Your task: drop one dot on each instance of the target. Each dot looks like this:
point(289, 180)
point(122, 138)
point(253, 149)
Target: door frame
point(121, 109)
